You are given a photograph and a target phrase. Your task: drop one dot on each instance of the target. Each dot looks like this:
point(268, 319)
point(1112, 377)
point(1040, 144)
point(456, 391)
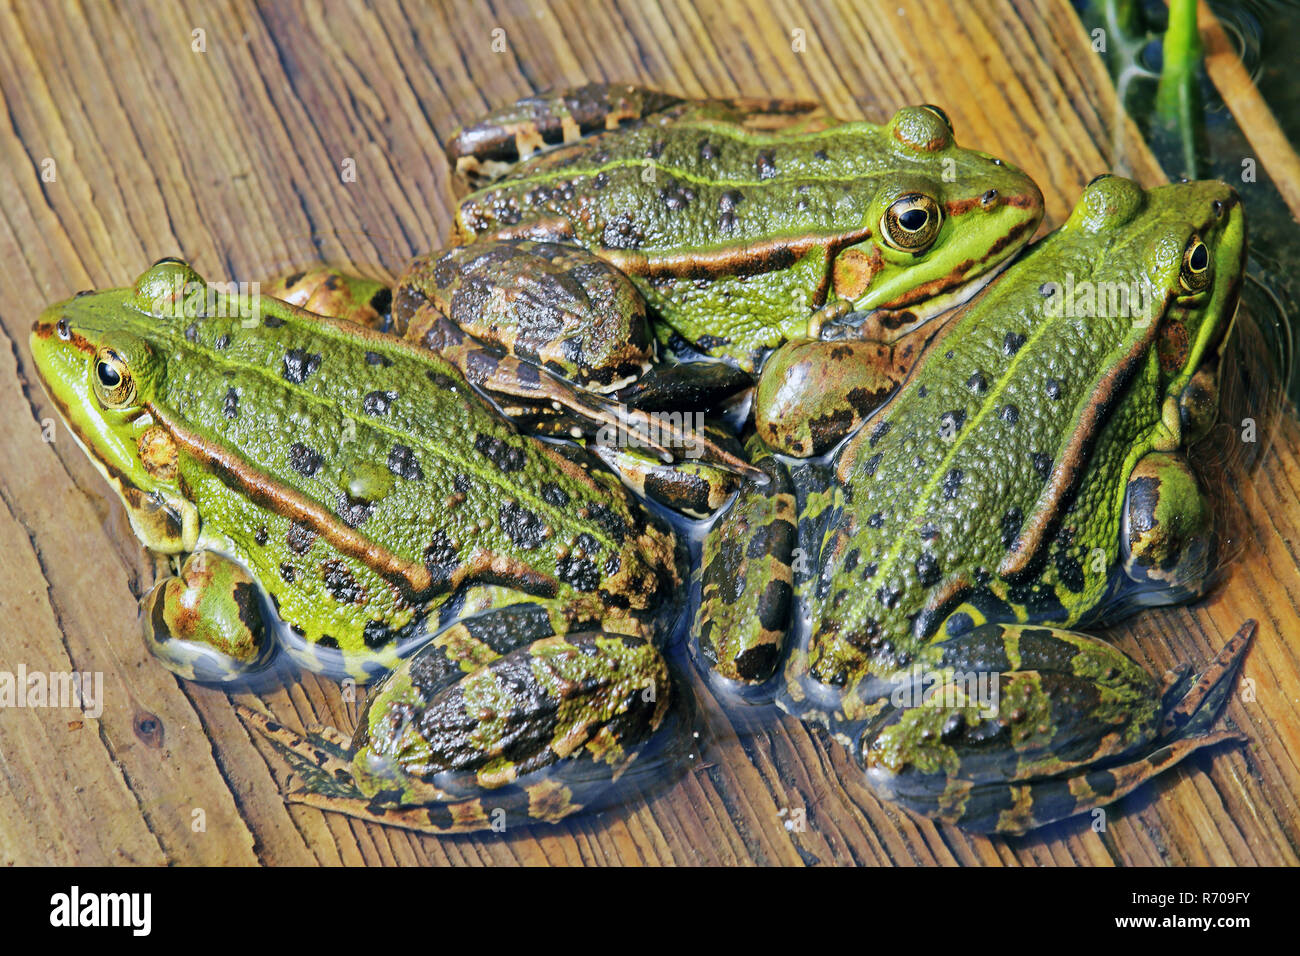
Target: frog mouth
point(890, 322)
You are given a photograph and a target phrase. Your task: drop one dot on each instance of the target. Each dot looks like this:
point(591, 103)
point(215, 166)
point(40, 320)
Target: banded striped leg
point(1073, 724)
point(746, 578)
point(502, 719)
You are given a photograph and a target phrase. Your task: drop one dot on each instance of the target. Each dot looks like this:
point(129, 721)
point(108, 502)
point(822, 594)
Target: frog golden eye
point(911, 223)
point(1195, 272)
point(112, 380)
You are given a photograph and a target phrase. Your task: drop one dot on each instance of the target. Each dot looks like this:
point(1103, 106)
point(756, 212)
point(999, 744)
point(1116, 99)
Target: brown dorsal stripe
point(1071, 464)
point(414, 579)
point(751, 259)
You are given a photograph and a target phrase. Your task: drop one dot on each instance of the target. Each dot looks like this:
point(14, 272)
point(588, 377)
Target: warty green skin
point(738, 237)
point(360, 479)
point(1028, 476)
point(993, 484)
point(396, 521)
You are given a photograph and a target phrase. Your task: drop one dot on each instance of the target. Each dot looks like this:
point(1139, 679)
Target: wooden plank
point(231, 157)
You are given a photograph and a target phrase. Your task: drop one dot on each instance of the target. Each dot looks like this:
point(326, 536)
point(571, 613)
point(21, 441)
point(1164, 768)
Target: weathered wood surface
point(231, 157)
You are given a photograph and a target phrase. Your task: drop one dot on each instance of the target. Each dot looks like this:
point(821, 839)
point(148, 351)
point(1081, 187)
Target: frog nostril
point(1218, 208)
point(989, 198)
point(83, 292)
point(65, 329)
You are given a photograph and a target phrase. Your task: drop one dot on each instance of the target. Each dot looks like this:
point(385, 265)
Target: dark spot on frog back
point(403, 463)
point(305, 460)
point(299, 365)
point(609, 520)
point(579, 573)
point(554, 495)
point(505, 456)
point(441, 558)
point(354, 511)
point(300, 538)
point(341, 583)
point(524, 528)
point(378, 402)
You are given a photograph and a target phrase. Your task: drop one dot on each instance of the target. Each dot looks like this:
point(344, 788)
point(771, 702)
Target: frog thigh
point(206, 623)
point(328, 291)
point(503, 715)
point(1167, 540)
point(745, 579)
point(1062, 723)
point(491, 148)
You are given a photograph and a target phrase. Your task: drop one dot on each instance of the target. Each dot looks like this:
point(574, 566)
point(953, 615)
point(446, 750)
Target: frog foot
point(1076, 725)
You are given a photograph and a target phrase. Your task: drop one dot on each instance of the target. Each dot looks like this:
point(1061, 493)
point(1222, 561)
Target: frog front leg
point(504, 716)
point(205, 623)
point(1168, 547)
point(1010, 727)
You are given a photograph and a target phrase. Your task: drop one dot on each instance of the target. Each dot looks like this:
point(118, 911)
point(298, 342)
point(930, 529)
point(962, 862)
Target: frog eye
point(1195, 272)
point(911, 223)
point(111, 379)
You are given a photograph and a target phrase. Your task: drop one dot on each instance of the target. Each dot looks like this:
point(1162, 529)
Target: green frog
point(1028, 479)
point(356, 485)
point(611, 223)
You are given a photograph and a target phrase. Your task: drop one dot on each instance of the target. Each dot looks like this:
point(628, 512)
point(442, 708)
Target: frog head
point(100, 360)
point(946, 220)
point(1185, 246)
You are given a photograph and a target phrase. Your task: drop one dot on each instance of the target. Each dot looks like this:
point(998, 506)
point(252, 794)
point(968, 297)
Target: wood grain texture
point(231, 158)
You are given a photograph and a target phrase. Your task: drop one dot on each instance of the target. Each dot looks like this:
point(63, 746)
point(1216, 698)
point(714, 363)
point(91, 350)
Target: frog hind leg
point(1077, 726)
point(745, 579)
point(205, 623)
point(492, 147)
point(333, 292)
point(504, 717)
point(691, 486)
